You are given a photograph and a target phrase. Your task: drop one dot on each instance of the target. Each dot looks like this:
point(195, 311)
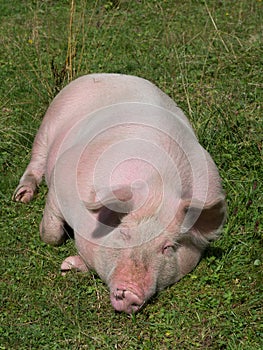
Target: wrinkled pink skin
point(133, 273)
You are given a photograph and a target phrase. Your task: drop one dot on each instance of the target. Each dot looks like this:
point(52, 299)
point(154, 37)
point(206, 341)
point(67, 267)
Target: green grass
point(207, 55)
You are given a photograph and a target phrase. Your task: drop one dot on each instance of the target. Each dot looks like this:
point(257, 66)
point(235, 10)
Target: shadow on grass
point(215, 252)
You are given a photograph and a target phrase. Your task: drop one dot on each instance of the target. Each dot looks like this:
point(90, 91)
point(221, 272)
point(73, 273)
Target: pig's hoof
point(73, 263)
point(23, 194)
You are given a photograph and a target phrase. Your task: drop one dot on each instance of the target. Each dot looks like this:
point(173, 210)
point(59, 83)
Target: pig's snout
point(126, 300)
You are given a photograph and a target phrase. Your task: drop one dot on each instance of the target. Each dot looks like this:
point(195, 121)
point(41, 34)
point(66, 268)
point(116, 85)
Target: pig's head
point(143, 254)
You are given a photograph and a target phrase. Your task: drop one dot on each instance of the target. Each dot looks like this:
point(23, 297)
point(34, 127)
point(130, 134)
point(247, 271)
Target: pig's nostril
point(120, 294)
point(126, 300)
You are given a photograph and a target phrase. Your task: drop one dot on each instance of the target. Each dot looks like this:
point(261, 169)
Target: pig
point(126, 173)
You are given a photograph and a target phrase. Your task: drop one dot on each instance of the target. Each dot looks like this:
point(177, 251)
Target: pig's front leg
point(34, 172)
point(26, 189)
point(73, 263)
point(52, 226)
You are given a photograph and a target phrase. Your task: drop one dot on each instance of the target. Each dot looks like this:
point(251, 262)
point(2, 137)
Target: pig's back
point(95, 91)
point(73, 108)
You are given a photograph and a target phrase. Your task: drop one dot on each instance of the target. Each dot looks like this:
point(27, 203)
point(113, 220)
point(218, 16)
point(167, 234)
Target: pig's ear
point(204, 220)
point(118, 199)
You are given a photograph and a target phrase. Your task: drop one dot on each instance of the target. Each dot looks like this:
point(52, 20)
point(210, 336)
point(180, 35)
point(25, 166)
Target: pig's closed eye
point(168, 249)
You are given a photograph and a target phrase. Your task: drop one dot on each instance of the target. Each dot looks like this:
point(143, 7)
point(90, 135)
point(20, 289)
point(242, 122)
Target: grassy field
point(207, 55)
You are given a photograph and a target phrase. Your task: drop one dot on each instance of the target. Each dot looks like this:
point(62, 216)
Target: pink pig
point(126, 172)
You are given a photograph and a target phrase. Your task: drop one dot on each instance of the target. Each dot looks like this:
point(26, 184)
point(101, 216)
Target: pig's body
point(126, 172)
